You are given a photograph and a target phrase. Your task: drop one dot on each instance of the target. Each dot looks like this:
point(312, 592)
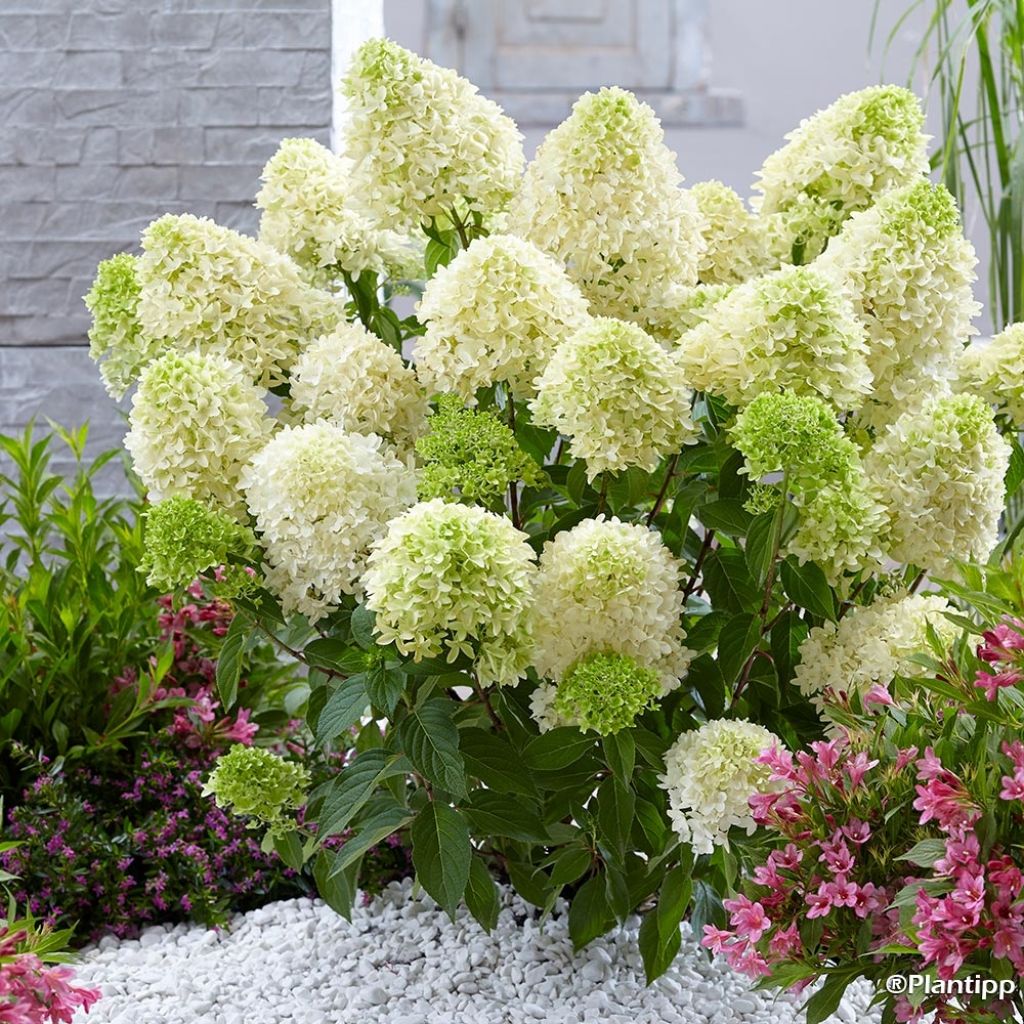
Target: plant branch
point(660, 500)
point(698, 565)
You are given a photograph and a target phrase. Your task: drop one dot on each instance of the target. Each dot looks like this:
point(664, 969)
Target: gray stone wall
point(113, 112)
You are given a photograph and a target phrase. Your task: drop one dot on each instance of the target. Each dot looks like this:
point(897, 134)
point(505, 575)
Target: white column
point(352, 23)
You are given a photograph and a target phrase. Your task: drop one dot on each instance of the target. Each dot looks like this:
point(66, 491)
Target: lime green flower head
point(205, 287)
point(195, 421)
point(606, 693)
point(257, 784)
point(423, 141)
point(471, 455)
point(184, 538)
point(782, 432)
point(910, 271)
point(683, 307)
point(116, 339)
point(449, 580)
point(735, 238)
point(309, 213)
point(794, 328)
point(621, 398)
point(838, 162)
point(602, 196)
point(939, 471)
point(995, 371)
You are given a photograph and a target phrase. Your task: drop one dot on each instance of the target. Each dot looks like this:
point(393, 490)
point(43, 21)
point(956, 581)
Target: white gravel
point(401, 961)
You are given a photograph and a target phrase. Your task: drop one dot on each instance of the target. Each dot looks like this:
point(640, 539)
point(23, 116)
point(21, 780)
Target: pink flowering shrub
point(898, 846)
point(31, 990)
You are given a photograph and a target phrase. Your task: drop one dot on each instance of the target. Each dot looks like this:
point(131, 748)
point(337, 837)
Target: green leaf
point(482, 895)
point(925, 853)
point(364, 628)
point(1015, 471)
point(739, 636)
point(229, 661)
point(786, 637)
point(384, 686)
point(660, 938)
point(336, 888)
point(589, 913)
point(705, 676)
point(826, 1000)
point(430, 739)
point(288, 846)
point(570, 864)
point(727, 515)
point(760, 546)
point(556, 749)
point(615, 806)
point(442, 854)
point(343, 709)
point(349, 791)
point(729, 583)
point(336, 655)
point(491, 759)
point(497, 814)
point(806, 586)
point(387, 817)
point(437, 254)
point(620, 754)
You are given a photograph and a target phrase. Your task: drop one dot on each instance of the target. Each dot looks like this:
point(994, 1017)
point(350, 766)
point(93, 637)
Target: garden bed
point(402, 961)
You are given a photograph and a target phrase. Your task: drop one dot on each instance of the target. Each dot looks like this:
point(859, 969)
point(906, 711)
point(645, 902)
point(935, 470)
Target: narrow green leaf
point(387, 818)
point(589, 913)
point(349, 791)
point(620, 754)
point(336, 888)
point(739, 636)
point(229, 661)
point(570, 864)
point(615, 806)
point(442, 854)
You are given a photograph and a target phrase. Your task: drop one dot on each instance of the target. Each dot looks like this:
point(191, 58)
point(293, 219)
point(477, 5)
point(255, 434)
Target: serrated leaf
point(727, 515)
point(344, 707)
point(497, 814)
point(384, 686)
point(482, 895)
point(442, 854)
point(660, 937)
point(620, 754)
point(729, 583)
point(570, 864)
point(615, 806)
point(386, 818)
point(336, 655)
point(759, 548)
point(925, 853)
point(336, 888)
point(738, 638)
point(349, 791)
point(429, 738)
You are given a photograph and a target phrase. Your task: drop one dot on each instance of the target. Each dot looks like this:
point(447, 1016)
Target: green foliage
point(74, 610)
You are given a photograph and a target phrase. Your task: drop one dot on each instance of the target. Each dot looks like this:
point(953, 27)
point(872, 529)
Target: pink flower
point(903, 758)
point(1000, 643)
point(878, 696)
point(946, 804)
point(819, 903)
point(716, 939)
point(857, 831)
point(747, 918)
point(962, 852)
point(858, 766)
point(1013, 786)
point(992, 684)
point(785, 942)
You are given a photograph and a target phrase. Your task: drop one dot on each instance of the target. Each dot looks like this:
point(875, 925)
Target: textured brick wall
point(113, 112)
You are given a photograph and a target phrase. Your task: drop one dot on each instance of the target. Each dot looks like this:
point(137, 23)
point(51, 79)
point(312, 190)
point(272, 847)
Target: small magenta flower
point(747, 917)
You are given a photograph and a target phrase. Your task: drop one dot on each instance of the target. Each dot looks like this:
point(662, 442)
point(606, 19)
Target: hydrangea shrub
point(576, 541)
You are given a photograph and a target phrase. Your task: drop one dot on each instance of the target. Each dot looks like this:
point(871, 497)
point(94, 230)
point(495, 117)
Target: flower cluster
point(34, 992)
point(794, 328)
point(184, 539)
point(604, 692)
point(711, 773)
point(910, 269)
point(603, 197)
point(353, 379)
point(495, 314)
point(308, 214)
point(609, 587)
point(470, 455)
point(206, 287)
point(837, 162)
point(448, 580)
point(618, 395)
point(320, 497)
point(859, 657)
point(195, 422)
point(255, 783)
point(423, 143)
point(116, 340)
point(734, 238)
point(995, 371)
point(683, 307)
point(939, 471)
point(1002, 652)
